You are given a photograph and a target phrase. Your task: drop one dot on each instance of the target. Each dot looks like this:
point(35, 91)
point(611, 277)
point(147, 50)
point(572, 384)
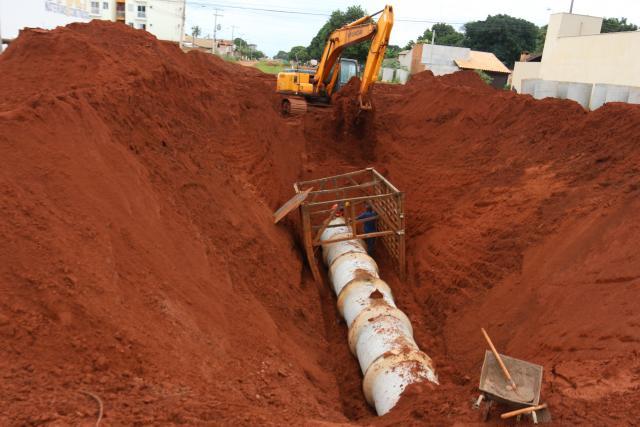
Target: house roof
point(485, 61)
point(199, 42)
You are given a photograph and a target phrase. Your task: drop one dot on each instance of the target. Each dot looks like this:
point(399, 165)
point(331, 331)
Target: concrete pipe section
point(380, 335)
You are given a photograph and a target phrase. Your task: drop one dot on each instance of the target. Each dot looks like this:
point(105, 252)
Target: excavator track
point(293, 106)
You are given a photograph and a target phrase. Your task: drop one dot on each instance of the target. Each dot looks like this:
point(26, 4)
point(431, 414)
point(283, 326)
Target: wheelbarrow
point(514, 383)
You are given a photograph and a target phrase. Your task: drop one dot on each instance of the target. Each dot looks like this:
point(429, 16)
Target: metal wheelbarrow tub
point(527, 376)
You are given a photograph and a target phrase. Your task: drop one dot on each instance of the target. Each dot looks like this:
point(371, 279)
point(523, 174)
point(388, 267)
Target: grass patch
point(265, 67)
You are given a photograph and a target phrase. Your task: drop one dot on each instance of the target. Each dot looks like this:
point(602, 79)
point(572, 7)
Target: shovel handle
point(499, 359)
point(522, 411)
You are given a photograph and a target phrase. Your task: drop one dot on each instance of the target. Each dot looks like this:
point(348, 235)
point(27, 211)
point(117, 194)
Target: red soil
point(140, 263)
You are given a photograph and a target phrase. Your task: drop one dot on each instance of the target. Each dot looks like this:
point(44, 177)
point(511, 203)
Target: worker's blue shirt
point(369, 226)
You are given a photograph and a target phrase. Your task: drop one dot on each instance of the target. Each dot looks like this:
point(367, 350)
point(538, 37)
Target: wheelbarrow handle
point(522, 411)
point(499, 359)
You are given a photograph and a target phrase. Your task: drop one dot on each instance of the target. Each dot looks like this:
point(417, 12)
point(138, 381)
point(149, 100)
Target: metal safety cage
point(353, 191)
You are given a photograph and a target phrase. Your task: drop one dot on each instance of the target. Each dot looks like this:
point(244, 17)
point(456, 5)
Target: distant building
point(575, 51)
point(442, 60)
point(223, 47)
point(162, 18)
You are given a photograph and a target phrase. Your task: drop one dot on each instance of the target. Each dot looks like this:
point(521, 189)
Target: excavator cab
point(348, 68)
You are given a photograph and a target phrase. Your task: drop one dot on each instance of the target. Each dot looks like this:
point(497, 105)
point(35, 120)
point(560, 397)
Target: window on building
point(95, 7)
point(105, 5)
point(142, 11)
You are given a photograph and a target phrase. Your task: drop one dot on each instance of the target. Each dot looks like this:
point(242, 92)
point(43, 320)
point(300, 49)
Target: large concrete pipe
point(380, 335)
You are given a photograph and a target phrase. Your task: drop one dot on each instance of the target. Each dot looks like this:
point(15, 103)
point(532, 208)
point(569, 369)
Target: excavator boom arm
point(358, 31)
point(376, 56)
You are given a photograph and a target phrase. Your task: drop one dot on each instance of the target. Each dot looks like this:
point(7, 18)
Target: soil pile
point(140, 262)
point(139, 257)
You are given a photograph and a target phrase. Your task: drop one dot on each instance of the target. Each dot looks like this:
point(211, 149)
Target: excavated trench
point(141, 264)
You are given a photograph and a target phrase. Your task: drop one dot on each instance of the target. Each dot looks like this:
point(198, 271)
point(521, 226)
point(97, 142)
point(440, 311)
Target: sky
point(280, 31)
point(273, 31)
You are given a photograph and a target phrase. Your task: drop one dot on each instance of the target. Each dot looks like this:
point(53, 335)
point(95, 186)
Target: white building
point(162, 18)
point(580, 62)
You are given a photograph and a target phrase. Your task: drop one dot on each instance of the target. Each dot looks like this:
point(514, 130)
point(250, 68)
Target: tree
point(392, 51)
point(446, 35)
point(282, 55)
point(339, 19)
point(299, 53)
point(196, 31)
point(542, 36)
point(409, 45)
point(240, 43)
point(615, 25)
point(503, 35)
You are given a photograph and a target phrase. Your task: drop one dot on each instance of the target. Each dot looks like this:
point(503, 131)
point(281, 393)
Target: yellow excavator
point(300, 87)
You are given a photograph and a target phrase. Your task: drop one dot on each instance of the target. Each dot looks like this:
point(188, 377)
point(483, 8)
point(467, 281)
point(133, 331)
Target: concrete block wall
point(588, 95)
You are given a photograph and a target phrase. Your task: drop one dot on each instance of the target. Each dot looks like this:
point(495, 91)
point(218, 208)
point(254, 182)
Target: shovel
point(539, 413)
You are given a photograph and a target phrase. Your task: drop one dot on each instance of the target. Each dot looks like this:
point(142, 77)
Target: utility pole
point(215, 29)
point(184, 15)
point(1, 45)
point(571, 8)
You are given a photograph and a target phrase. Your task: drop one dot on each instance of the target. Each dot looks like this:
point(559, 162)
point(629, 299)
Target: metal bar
point(353, 199)
point(352, 187)
point(327, 178)
point(324, 225)
point(383, 179)
point(402, 262)
point(356, 237)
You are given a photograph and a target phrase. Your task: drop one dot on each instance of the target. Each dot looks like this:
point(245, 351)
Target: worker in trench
point(369, 220)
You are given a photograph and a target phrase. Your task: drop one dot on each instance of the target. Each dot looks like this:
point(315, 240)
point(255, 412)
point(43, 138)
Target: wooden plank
point(290, 205)
point(308, 245)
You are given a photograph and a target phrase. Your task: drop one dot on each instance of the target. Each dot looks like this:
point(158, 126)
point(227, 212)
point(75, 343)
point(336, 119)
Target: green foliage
point(484, 76)
point(542, 35)
point(240, 43)
point(503, 35)
point(282, 55)
point(196, 31)
point(391, 63)
point(615, 25)
point(243, 47)
point(299, 53)
point(446, 35)
point(268, 68)
point(409, 45)
point(339, 19)
point(392, 51)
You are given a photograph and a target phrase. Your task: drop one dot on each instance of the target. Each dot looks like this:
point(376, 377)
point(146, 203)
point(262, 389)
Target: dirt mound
point(140, 262)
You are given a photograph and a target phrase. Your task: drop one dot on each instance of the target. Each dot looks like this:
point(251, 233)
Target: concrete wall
point(405, 59)
point(440, 59)
point(575, 51)
point(387, 74)
point(523, 71)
